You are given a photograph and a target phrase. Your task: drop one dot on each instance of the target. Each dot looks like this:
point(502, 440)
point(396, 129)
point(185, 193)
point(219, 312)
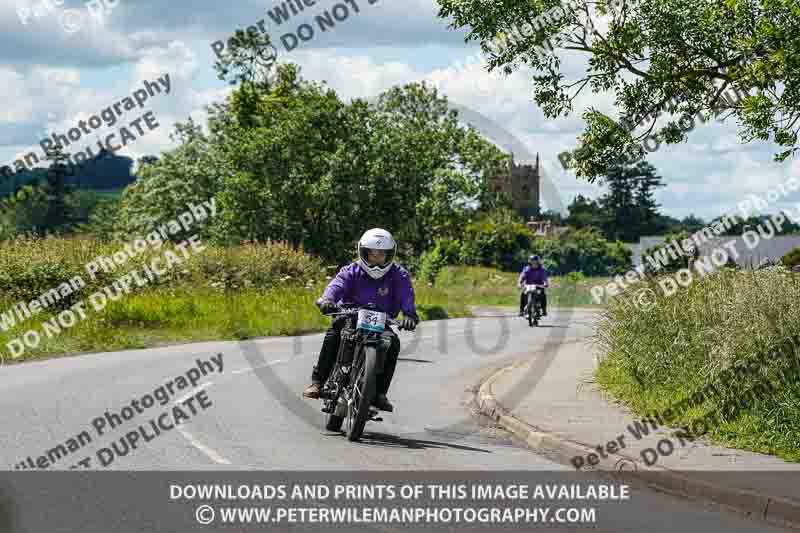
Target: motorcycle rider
point(532, 274)
point(373, 278)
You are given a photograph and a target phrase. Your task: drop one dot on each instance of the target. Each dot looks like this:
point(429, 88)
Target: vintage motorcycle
point(533, 307)
point(351, 387)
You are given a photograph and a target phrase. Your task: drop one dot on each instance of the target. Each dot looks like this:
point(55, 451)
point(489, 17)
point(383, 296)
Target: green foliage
point(627, 211)
point(32, 266)
point(660, 259)
point(575, 277)
point(693, 224)
point(585, 212)
point(24, 212)
point(102, 220)
point(444, 252)
point(739, 225)
point(189, 174)
point(791, 259)
point(288, 160)
point(629, 203)
point(684, 342)
point(257, 266)
point(498, 239)
point(678, 53)
point(51, 205)
point(80, 204)
point(582, 250)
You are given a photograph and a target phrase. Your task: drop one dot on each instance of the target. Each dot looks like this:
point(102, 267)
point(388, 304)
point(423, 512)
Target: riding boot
point(391, 347)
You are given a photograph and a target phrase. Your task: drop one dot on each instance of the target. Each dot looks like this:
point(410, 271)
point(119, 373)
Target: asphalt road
point(251, 416)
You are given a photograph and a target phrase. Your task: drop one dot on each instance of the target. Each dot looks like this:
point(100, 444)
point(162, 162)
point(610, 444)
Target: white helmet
point(376, 239)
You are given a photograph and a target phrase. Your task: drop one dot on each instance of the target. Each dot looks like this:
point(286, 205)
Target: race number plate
point(371, 320)
point(530, 288)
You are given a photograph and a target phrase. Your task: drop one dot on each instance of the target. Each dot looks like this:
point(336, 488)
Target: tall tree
point(628, 210)
point(56, 189)
point(647, 183)
point(692, 223)
point(288, 160)
point(623, 218)
point(685, 53)
point(585, 212)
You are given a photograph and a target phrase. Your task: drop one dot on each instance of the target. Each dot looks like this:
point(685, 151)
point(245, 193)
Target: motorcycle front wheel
point(530, 310)
point(363, 394)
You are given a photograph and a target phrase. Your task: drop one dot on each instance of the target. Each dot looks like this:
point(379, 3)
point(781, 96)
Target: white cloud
point(355, 76)
point(14, 91)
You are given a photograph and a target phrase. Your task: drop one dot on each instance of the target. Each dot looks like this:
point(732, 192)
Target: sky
point(61, 64)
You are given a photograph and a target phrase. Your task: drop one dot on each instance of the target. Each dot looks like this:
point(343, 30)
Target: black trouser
point(330, 349)
point(523, 300)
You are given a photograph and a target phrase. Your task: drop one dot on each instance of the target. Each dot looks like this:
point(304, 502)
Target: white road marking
point(205, 450)
point(254, 368)
point(208, 452)
point(199, 388)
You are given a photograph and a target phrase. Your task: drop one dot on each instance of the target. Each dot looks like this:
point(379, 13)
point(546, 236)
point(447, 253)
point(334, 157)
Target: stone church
point(522, 185)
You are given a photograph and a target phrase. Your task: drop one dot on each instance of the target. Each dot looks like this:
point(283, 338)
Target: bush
point(660, 250)
point(574, 278)
point(792, 259)
point(24, 212)
point(256, 266)
point(496, 241)
point(31, 266)
point(102, 220)
point(444, 253)
point(583, 250)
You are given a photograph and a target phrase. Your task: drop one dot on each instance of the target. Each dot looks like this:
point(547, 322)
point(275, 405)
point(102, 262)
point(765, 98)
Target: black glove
point(409, 323)
point(326, 306)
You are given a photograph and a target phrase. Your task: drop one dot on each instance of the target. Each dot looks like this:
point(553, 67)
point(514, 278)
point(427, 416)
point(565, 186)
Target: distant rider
point(373, 278)
point(533, 274)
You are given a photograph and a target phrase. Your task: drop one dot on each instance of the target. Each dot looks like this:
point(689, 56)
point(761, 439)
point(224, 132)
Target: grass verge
point(658, 357)
point(162, 315)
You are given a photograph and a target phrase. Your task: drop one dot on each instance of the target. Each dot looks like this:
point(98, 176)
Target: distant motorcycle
point(349, 391)
point(533, 306)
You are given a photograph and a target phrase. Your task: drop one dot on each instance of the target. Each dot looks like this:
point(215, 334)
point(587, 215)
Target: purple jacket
point(391, 294)
point(531, 276)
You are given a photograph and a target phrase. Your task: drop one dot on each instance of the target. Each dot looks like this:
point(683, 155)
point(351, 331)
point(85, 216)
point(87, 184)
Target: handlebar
point(355, 310)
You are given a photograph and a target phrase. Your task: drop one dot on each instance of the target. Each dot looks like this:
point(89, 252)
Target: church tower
point(522, 185)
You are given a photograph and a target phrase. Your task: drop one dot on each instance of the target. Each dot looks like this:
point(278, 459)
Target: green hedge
point(583, 250)
point(495, 242)
point(31, 266)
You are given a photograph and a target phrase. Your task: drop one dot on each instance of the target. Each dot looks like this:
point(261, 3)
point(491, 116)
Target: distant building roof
point(765, 250)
